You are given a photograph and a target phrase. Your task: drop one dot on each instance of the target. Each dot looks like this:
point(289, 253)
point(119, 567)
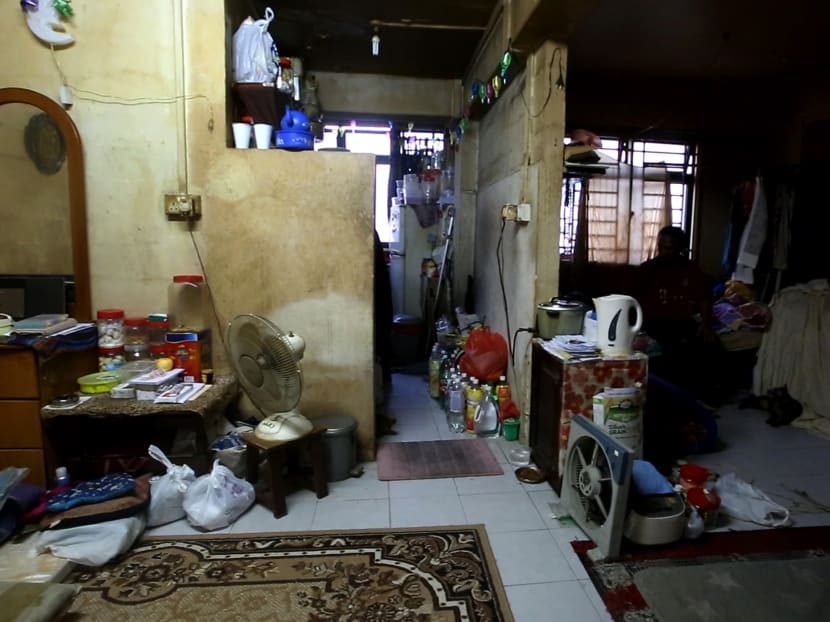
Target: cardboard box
point(620, 413)
point(147, 386)
point(205, 345)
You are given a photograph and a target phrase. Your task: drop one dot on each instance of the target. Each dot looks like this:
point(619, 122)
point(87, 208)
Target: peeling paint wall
point(285, 235)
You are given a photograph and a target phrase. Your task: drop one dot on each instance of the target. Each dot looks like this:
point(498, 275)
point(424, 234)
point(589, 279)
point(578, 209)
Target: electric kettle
point(615, 333)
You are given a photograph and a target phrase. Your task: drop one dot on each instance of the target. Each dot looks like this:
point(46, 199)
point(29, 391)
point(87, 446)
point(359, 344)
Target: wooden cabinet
point(561, 389)
point(28, 380)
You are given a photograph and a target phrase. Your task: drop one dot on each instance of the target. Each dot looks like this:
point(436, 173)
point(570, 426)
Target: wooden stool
point(276, 452)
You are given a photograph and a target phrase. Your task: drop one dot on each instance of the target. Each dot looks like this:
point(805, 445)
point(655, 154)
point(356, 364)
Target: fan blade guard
point(265, 363)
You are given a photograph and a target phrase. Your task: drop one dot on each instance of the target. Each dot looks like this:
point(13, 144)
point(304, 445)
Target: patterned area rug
point(618, 581)
point(433, 459)
point(439, 574)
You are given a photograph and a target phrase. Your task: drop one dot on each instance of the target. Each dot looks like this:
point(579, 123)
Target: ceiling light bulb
point(375, 44)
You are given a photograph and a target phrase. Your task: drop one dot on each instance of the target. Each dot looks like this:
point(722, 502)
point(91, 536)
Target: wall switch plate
point(523, 212)
point(183, 206)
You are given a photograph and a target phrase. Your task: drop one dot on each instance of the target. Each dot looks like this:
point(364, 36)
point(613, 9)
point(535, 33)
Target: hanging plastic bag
point(742, 500)
point(217, 499)
point(254, 51)
point(167, 491)
point(485, 355)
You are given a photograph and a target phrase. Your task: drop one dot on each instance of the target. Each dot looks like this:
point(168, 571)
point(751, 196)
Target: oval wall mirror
point(43, 233)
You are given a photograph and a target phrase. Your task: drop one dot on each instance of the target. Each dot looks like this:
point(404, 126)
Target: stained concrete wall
point(518, 159)
point(284, 235)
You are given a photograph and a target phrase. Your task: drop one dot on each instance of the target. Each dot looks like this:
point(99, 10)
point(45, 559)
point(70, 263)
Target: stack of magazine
point(44, 324)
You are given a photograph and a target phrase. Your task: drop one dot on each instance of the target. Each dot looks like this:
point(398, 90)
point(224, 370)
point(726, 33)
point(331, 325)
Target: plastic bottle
point(62, 477)
point(435, 372)
point(444, 379)
point(455, 405)
point(487, 416)
point(694, 526)
point(473, 399)
point(503, 395)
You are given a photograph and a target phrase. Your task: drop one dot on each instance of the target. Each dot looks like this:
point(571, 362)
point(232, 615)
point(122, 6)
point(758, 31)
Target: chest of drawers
point(28, 380)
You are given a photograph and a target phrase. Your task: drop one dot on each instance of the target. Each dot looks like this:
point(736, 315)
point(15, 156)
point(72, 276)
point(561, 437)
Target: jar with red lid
point(111, 358)
point(159, 351)
point(110, 328)
point(157, 328)
point(187, 299)
point(135, 331)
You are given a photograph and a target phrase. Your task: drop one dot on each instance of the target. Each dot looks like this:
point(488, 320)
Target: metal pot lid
point(559, 304)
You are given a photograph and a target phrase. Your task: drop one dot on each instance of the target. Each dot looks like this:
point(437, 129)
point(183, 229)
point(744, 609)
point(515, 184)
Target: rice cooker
point(559, 317)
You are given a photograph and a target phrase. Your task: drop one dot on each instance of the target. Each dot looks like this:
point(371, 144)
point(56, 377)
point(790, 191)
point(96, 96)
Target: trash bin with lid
point(338, 445)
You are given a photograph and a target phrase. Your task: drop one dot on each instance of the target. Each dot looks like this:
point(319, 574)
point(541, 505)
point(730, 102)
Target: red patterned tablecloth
point(582, 380)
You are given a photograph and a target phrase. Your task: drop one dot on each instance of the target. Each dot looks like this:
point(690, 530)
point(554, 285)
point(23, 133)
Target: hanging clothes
point(753, 237)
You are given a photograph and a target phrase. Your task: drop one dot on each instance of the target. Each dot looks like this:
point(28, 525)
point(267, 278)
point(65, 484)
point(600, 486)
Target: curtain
point(621, 213)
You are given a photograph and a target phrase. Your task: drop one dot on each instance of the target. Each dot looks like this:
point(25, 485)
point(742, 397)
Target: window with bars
point(635, 189)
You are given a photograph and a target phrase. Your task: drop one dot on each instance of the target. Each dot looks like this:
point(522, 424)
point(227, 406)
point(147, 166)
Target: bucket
point(510, 429)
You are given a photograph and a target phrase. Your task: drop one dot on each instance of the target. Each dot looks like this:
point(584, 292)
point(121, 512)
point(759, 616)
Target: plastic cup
point(241, 135)
point(263, 133)
point(510, 429)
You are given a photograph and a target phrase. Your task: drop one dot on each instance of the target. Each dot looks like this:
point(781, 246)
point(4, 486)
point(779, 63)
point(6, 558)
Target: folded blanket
point(110, 486)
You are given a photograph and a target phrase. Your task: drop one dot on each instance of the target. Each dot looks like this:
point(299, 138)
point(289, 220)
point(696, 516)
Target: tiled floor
point(543, 577)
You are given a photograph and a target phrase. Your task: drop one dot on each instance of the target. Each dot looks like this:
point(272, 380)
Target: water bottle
point(503, 395)
point(435, 372)
point(487, 416)
point(455, 405)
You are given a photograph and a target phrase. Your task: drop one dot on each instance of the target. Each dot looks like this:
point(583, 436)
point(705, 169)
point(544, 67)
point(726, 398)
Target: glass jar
point(159, 351)
point(136, 352)
point(187, 299)
point(157, 328)
point(110, 359)
point(135, 331)
point(110, 328)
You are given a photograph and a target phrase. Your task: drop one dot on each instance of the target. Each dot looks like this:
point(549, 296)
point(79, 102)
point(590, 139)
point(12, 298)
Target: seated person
point(677, 312)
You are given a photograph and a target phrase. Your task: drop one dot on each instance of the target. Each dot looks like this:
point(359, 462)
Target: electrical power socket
point(183, 206)
point(523, 212)
point(509, 211)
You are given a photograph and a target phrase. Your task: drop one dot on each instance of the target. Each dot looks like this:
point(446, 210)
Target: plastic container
point(157, 328)
point(136, 352)
point(159, 351)
point(110, 359)
point(487, 417)
point(510, 429)
point(110, 328)
point(100, 382)
point(338, 445)
point(455, 405)
point(187, 303)
point(473, 398)
point(135, 331)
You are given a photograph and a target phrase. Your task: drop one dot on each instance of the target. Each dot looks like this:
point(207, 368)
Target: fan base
point(283, 427)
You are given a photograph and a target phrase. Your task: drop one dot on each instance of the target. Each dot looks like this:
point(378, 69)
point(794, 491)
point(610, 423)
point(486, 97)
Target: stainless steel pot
point(559, 317)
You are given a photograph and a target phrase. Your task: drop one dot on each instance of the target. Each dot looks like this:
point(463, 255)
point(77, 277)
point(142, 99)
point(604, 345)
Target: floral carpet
point(617, 580)
point(438, 574)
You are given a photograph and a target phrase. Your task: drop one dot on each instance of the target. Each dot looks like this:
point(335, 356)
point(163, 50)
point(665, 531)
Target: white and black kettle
point(615, 332)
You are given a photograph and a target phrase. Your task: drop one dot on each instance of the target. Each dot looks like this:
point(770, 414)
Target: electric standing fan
point(595, 485)
point(267, 363)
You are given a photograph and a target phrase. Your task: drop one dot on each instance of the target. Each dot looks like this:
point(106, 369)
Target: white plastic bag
point(254, 51)
point(742, 500)
point(217, 499)
point(92, 545)
point(167, 491)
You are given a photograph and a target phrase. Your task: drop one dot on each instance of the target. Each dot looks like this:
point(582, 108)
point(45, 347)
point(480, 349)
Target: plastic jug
point(615, 333)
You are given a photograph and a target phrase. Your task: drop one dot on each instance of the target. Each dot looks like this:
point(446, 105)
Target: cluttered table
point(102, 434)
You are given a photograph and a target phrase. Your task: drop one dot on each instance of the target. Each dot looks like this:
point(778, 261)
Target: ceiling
point(643, 38)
